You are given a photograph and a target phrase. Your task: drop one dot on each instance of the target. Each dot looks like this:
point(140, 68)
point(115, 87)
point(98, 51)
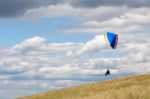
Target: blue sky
point(16, 30)
point(52, 44)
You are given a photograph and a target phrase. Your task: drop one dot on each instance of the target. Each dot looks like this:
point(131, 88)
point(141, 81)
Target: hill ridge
point(134, 87)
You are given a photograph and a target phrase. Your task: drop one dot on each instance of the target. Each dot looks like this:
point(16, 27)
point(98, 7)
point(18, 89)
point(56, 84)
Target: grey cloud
point(96, 3)
point(16, 8)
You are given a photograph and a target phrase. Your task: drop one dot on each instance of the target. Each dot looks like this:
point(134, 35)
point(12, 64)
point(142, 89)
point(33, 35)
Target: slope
point(137, 87)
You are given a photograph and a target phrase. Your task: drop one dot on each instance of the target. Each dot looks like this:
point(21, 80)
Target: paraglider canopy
point(112, 39)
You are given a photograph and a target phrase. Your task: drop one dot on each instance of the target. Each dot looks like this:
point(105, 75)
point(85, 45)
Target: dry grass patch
point(137, 87)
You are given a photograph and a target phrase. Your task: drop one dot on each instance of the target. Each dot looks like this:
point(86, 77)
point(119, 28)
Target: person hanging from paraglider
point(107, 72)
point(112, 40)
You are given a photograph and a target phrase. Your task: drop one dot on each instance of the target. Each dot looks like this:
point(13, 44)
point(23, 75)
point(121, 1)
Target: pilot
point(107, 72)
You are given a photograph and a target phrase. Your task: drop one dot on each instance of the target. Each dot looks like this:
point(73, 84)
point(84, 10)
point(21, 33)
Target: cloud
point(17, 8)
point(46, 68)
point(97, 20)
point(135, 20)
point(40, 46)
point(96, 3)
point(90, 47)
point(46, 60)
point(104, 12)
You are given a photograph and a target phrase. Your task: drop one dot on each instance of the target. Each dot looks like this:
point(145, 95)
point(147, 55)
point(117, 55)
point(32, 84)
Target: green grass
point(137, 87)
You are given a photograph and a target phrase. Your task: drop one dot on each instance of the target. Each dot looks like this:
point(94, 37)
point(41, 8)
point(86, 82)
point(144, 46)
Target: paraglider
point(112, 41)
point(98, 43)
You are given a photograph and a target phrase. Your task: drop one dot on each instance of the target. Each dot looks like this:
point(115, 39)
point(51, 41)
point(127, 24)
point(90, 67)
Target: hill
point(137, 87)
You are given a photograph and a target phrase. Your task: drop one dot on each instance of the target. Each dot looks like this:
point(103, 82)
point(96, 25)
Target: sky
point(52, 44)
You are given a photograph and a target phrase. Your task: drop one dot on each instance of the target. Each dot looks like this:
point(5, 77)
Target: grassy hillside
point(137, 87)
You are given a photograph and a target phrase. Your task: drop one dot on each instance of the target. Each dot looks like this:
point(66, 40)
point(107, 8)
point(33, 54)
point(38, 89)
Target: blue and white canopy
point(111, 39)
